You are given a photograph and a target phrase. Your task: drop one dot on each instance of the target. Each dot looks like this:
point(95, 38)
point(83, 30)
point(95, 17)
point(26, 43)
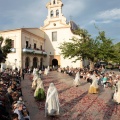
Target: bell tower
point(54, 13)
point(54, 9)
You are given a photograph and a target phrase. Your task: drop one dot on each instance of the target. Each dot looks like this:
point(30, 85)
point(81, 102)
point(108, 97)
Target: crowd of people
point(12, 106)
point(98, 77)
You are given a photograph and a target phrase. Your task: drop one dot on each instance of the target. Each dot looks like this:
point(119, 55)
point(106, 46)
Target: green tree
point(6, 48)
point(116, 59)
point(85, 47)
point(106, 47)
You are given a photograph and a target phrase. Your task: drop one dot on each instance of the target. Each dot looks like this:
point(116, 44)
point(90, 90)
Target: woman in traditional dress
point(34, 71)
point(77, 79)
point(39, 93)
point(46, 71)
point(116, 95)
point(34, 83)
point(52, 101)
point(40, 73)
point(94, 86)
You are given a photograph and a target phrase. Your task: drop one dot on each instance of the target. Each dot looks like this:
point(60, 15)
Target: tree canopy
point(4, 50)
point(85, 47)
point(117, 53)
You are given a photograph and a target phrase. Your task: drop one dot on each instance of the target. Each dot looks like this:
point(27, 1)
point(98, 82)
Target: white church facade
point(35, 47)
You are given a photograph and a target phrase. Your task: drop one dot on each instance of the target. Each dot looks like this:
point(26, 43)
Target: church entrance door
point(55, 62)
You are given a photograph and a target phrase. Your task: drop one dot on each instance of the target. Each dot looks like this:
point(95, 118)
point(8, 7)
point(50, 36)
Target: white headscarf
point(116, 96)
point(94, 81)
point(52, 101)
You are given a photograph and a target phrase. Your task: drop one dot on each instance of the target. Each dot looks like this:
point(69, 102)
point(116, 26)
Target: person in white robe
point(94, 86)
point(116, 96)
point(34, 71)
point(40, 73)
point(46, 71)
point(39, 84)
point(39, 93)
point(34, 83)
point(77, 79)
point(52, 105)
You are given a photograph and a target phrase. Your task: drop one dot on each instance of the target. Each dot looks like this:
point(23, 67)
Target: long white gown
point(116, 95)
point(52, 101)
point(46, 71)
point(34, 71)
point(77, 79)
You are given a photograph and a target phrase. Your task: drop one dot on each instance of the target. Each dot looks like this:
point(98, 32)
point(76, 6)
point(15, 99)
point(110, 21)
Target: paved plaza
point(75, 102)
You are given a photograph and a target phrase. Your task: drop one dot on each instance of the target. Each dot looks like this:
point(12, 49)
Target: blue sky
point(105, 14)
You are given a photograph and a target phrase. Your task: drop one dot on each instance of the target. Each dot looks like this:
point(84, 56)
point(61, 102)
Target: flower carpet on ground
point(78, 104)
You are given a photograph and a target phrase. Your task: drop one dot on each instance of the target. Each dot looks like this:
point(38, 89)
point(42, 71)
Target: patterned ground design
point(77, 104)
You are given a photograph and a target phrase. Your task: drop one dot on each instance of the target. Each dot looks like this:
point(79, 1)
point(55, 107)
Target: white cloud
point(92, 22)
point(106, 17)
point(110, 14)
point(100, 21)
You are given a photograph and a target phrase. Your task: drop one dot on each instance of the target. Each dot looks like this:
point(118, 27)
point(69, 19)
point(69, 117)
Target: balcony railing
point(34, 51)
point(28, 50)
point(44, 53)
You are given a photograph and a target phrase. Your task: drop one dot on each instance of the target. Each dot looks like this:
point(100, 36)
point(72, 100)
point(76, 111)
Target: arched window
point(51, 13)
point(53, 1)
point(57, 13)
